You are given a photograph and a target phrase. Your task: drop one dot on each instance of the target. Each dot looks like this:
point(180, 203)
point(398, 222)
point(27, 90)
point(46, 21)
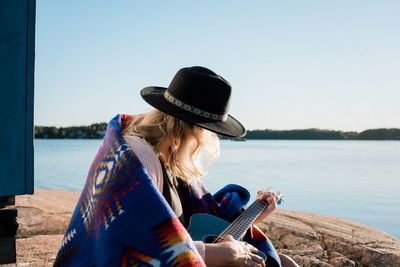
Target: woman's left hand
point(271, 198)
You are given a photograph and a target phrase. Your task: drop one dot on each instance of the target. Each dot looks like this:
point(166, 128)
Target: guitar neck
point(243, 222)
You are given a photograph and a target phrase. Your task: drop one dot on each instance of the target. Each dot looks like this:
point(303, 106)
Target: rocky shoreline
point(312, 240)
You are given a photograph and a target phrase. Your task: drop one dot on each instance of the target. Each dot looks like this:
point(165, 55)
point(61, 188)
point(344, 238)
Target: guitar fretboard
point(240, 225)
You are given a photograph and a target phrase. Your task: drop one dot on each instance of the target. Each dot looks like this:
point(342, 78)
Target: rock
point(47, 212)
point(310, 239)
point(315, 240)
point(38, 250)
point(43, 218)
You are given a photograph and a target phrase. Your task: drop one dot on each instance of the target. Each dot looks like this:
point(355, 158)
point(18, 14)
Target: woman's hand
point(230, 252)
point(271, 198)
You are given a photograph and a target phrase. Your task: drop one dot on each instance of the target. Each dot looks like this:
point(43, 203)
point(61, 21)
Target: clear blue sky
point(292, 64)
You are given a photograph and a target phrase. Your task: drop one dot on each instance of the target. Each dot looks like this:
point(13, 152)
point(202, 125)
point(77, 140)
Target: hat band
point(194, 110)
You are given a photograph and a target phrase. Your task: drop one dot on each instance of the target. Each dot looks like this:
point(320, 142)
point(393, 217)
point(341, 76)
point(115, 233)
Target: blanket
point(121, 219)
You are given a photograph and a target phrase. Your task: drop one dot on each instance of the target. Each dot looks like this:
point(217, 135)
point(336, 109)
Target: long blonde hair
point(156, 126)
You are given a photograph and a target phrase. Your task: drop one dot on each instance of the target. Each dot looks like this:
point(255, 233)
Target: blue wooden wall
point(17, 55)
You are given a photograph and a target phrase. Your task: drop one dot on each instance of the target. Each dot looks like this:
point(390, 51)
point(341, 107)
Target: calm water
point(357, 180)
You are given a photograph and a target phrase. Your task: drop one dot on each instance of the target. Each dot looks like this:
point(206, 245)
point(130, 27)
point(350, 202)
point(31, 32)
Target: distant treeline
point(97, 131)
point(318, 134)
point(94, 131)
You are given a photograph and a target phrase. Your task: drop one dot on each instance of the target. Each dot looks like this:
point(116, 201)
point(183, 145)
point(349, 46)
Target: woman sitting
point(143, 186)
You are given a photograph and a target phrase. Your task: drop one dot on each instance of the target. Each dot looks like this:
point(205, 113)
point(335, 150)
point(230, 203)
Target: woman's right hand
point(230, 252)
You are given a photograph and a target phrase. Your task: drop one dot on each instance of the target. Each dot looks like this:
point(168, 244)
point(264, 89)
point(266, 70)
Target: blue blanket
point(121, 219)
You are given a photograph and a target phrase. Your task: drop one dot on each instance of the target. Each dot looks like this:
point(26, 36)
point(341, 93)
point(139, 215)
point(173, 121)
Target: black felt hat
point(199, 96)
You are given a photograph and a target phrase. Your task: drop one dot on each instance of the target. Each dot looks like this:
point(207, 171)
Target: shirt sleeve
point(146, 155)
point(201, 249)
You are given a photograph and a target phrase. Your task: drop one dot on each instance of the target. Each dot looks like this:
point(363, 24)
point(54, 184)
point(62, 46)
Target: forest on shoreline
point(97, 131)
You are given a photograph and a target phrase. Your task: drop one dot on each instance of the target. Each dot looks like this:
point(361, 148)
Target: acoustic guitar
point(211, 229)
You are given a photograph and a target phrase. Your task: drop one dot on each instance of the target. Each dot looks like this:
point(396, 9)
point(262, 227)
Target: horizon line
point(258, 129)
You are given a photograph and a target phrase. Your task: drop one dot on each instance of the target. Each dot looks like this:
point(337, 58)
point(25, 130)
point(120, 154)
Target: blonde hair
point(156, 126)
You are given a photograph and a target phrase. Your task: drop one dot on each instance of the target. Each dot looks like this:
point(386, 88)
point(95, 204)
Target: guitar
point(211, 229)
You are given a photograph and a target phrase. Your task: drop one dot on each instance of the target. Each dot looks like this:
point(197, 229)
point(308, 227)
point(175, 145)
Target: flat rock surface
point(315, 240)
point(311, 239)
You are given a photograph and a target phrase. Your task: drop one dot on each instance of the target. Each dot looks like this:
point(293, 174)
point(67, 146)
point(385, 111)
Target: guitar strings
point(240, 225)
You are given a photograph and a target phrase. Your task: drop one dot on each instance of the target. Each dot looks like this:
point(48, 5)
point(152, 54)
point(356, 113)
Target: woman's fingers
point(257, 259)
point(253, 256)
point(244, 254)
point(271, 201)
point(251, 260)
point(251, 248)
point(266, 194)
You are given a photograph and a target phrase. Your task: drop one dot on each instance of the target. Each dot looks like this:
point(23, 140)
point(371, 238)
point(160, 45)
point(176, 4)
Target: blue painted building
point(17, 57)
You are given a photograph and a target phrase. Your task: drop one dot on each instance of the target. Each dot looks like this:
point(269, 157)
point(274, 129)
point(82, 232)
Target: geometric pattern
point(68, 237)
point(177, 244)
point(100, 204)
point(206, 114)
point(131, 257)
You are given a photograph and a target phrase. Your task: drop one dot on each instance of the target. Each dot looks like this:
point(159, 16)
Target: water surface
point(356, 180)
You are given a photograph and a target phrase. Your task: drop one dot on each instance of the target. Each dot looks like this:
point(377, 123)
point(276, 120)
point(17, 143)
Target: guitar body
point(205, 227)
point(202, 225)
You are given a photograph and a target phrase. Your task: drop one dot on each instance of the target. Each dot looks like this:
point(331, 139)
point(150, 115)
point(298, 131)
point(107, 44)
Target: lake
point(356, 180)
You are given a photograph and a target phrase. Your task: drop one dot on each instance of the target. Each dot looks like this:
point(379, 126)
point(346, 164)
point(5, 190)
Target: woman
point(172, 146)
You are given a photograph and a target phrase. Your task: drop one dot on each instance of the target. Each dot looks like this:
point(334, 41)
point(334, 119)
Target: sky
point(292, 64)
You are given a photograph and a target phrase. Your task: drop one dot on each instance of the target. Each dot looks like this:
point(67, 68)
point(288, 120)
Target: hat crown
point(201, 88)
point(197, 95)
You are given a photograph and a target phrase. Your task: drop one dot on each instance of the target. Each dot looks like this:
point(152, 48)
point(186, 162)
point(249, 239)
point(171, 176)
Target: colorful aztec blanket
point(121, 219)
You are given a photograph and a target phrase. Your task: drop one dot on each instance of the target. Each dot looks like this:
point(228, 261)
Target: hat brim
point(154, 96)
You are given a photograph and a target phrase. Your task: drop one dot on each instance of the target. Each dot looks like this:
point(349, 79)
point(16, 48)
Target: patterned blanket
point(121, 219)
